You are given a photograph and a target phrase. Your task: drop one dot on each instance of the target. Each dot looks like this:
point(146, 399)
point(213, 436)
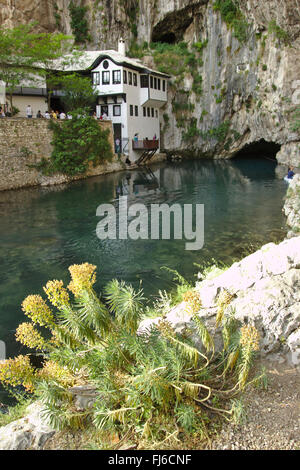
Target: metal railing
point(145, 144)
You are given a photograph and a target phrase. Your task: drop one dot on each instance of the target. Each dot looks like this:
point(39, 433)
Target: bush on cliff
point(233, 17)
point(76, 143)
point(153, 386)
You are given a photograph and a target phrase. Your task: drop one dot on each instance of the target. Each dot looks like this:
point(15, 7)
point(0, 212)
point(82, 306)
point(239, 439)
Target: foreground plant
point(142, 380)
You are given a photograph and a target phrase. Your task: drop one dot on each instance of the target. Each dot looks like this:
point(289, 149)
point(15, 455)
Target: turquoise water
point(45, 230)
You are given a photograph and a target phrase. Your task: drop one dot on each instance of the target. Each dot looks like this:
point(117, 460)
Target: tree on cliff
point(26, 55)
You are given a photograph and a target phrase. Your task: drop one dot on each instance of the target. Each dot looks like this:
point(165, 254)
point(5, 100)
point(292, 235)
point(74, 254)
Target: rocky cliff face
point(249, 87)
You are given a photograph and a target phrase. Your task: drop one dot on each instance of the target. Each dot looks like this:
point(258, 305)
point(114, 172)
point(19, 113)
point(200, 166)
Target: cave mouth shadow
point(259, 149)
point(171, 28)
point(168, 38)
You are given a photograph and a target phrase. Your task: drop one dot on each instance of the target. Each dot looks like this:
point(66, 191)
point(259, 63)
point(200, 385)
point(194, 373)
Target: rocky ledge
point(266, 290)
point(30, 432)
point(292, 207)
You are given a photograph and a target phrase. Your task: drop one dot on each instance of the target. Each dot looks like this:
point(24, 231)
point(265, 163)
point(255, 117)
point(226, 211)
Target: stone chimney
point(121, 47)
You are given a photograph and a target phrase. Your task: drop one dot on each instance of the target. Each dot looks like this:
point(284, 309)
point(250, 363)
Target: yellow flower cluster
point(192, 298)
point(53, 371)
point(249, 337)
point(56, 293)
point(223, 301)
point(29, 336)
point(224, 298)
point(165, 328)
point(18, 371)
point(83, 277)
point(37, 310)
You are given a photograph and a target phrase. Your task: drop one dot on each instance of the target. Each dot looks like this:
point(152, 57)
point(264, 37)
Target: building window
point(129, 78)
point(151, 81)
point(155, 83)
point(144, 111)
point(156, 113)
point(158, 83)
point(135, 79)
point(116, 110)
point(152, 112)
point(96, 78)
point(136, 110)
point(104, 110)
point(105, 64)
point(116, 77)
point(124, 76)
point(131, 110)
point(164, 85)
point(148, 112)
point(105, 78)
point(144, 81)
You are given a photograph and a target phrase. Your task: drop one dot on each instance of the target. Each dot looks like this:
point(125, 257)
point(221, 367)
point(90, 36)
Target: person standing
point(117, 144)
point(29, 111)
point(291, 173)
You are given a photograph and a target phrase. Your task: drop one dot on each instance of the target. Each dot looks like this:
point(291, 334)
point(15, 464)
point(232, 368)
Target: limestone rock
point(266, 289)
point(30, 432)
point(292, 206)
point(84, 396)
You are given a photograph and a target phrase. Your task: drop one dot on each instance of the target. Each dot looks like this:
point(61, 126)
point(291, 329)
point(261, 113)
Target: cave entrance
point(171, 29)
point(168, 38)
point(260, 149)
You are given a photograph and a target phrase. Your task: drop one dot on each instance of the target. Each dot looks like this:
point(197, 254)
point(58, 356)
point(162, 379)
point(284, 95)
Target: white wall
point(37, 103)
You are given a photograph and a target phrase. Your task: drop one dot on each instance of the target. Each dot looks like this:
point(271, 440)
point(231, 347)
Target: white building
point(130, 95)
point(32, 91)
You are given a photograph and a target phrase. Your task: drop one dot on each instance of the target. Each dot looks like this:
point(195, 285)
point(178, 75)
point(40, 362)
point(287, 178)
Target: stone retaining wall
point(25, 142)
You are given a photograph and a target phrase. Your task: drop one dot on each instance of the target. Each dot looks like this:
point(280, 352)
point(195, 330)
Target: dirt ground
point(272, 415)
point(272, 418)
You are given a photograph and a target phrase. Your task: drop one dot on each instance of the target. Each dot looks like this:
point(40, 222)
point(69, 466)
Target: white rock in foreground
point(266, 285)
point(30, 432)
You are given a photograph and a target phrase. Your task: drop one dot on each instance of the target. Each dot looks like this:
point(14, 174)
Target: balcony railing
point(145, 144)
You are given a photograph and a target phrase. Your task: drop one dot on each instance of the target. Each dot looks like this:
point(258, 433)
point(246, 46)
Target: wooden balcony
point(145, 144)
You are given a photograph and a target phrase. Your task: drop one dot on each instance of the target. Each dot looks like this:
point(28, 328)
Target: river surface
point(45, 230)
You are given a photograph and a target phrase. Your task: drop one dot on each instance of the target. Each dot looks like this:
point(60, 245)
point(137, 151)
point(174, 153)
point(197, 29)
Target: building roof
point(88, 60)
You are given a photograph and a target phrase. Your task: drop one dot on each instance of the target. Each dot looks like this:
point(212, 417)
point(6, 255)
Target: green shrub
point(192, 131)
point(233, 17)
point(219, 133)
point(279, 33)
point(76, 143)
point(200, 45)
point(149, 384)
point(79, 23)
point(295, 124)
